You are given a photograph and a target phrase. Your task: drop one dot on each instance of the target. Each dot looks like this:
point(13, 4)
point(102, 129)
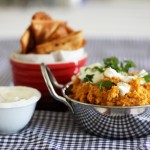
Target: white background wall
point(116, 19)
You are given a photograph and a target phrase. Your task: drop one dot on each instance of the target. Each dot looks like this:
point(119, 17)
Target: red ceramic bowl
point(29, 74)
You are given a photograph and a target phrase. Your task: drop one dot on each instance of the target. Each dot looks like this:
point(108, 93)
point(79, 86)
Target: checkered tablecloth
point(58, 130)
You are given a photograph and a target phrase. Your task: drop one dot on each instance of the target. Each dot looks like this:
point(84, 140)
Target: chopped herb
point(87, 68)
point(100, 69)
point(147, 78)
point(111, 61)
point(128, 64)
point(114, 63)
point(88, 78)
point(107, 84)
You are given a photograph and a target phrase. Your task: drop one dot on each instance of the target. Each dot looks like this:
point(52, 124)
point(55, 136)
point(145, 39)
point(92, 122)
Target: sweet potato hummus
point(107, 86)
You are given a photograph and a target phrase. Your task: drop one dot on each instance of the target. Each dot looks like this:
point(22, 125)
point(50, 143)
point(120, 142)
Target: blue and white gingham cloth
point(58, 130)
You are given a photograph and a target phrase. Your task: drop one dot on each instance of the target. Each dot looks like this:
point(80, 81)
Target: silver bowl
point(102, 121)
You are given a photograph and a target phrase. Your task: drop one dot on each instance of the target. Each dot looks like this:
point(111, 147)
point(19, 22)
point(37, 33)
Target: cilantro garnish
point(100, 69)
point(147, 78)
point(87, 68)
point(111, 61)
point(127, 65)
point(107, 84)
point(88, 78)
point(114, 63)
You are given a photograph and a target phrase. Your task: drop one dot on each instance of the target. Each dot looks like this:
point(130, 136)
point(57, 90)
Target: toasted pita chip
point(41, 16)
point(69, 30)
point(72, 41)
point(59, 32)
point(27, 41)
point(83, 43)
point(45, 35)
point(42, 30)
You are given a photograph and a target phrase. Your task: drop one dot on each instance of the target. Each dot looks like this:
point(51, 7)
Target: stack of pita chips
point(45, 35)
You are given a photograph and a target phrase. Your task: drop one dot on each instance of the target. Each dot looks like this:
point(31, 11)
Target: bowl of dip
point(105, 101)
point(17, 105)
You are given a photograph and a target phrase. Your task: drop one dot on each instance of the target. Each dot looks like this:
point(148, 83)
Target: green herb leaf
point(88, 78)
point(147, 78)
point(112, 62)
point(128, 64)
point(87, 68)
point(107, 84)
point(100, 69)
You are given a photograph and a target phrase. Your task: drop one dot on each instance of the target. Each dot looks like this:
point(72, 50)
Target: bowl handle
point(50, 81)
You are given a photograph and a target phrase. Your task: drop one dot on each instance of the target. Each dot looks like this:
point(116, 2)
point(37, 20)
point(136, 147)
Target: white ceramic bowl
point(17, 105)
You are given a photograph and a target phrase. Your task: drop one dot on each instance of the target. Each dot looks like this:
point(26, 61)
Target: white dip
point(16, 93)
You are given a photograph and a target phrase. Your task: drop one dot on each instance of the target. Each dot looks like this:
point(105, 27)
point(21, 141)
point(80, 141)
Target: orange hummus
point(88, 93)
point(103, 85)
